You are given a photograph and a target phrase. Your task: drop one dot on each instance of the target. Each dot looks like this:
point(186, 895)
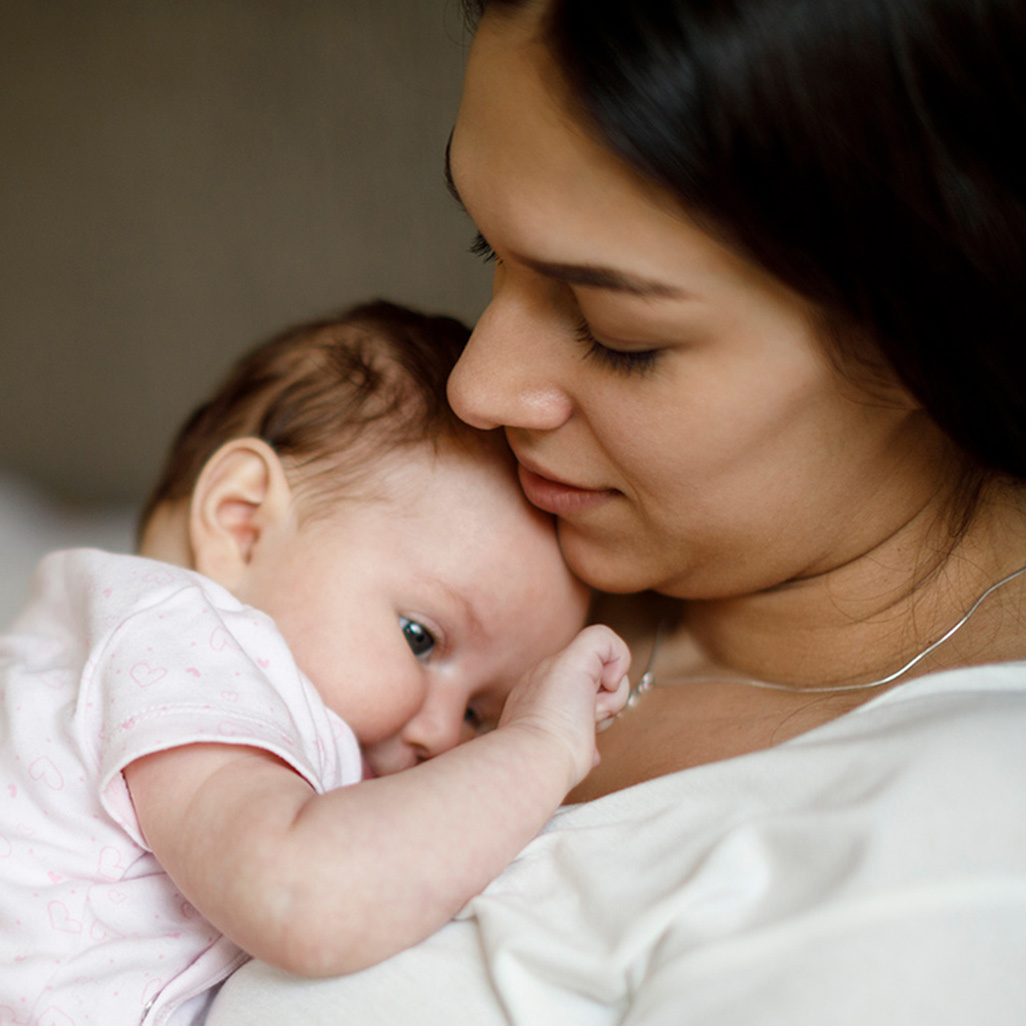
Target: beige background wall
point(179, 178)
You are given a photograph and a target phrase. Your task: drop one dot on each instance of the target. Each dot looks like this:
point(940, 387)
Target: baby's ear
point(241, 502)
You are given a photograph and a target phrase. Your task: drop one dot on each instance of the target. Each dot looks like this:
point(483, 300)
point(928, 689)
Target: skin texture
point(445, 540)
point(677, 409)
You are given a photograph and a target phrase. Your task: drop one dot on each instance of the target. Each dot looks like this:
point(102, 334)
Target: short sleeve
point(190, 670)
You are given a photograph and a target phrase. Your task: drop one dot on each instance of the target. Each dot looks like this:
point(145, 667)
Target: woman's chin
point(606, 565)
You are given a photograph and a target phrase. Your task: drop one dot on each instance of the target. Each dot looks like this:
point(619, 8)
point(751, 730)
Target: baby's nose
point(435, 729)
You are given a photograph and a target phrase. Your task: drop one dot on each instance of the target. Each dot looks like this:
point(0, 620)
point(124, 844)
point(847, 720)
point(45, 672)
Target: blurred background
point(181, 178)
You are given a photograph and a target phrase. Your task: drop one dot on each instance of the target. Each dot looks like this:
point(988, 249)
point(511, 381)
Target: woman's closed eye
point(625, 361)
point(418, 637)
point(480, 248)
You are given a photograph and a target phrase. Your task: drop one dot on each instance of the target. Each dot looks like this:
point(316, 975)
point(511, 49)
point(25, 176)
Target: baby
point(338, 580)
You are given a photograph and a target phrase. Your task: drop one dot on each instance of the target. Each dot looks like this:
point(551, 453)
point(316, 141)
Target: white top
point(871, 872)
point(115, 658)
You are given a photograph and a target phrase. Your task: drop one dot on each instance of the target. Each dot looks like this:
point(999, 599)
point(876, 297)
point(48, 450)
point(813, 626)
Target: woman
point(756, 341)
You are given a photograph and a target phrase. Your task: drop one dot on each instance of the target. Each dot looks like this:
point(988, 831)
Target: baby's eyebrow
point(458, 602)
point(475, 628)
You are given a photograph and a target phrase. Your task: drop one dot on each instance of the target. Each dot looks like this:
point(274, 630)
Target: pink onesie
point(117, 657)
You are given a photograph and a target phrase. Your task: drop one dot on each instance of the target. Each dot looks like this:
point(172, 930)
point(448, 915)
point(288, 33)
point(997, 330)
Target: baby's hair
point(328, 396)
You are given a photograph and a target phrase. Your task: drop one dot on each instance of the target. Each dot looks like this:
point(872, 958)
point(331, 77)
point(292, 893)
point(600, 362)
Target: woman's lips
point(557, 497)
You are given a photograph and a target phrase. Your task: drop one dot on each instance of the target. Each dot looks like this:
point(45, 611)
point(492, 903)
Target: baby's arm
point(332, 883)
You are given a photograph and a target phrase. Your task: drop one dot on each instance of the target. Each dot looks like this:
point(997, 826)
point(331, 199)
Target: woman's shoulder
point(965, 724)
point(956, 715)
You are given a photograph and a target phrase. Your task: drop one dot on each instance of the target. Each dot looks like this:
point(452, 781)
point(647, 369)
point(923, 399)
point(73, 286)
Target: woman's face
point(670, 402)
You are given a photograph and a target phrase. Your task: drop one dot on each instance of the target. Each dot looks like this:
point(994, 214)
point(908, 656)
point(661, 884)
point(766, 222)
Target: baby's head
point(328, 483)
point(328, 396)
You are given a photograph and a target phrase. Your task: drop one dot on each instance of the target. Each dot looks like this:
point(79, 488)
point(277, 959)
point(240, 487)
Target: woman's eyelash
point(480, 248)
point(624, 361)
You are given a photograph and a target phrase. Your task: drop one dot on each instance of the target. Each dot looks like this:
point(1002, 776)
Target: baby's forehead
point(471, 535)
point(469, 488)
point(467, 461)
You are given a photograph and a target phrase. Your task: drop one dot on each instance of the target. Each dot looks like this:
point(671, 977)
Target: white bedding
point(33, 523)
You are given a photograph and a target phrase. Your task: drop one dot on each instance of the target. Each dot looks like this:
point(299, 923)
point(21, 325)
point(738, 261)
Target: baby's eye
point(418, 637)
point(477, 723)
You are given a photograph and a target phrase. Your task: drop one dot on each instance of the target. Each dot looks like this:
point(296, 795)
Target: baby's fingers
point(613, 653)
point(615, 660)
point(609, 704)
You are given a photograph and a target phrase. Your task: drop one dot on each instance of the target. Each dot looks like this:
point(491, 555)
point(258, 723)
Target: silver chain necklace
point(648, 677)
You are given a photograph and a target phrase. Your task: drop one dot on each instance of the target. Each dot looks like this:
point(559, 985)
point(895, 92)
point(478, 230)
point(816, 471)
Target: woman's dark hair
point(869, 153)
point(330, 397)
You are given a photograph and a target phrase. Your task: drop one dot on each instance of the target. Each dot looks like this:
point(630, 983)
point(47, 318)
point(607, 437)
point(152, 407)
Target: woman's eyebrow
point(593, 276)
point(586, 275)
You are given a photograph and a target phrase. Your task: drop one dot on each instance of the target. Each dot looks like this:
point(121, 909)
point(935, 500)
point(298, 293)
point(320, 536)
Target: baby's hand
point(568, 694)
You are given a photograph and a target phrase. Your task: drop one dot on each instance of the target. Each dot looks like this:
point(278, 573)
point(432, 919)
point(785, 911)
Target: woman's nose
point(508, 375)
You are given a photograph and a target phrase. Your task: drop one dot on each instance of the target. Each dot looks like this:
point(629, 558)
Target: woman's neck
point(868, 617)
point(852, 625)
